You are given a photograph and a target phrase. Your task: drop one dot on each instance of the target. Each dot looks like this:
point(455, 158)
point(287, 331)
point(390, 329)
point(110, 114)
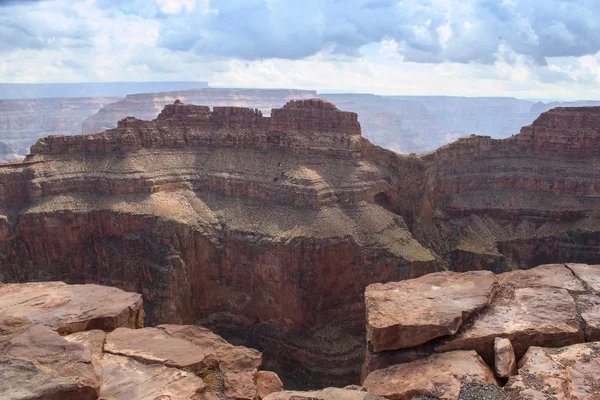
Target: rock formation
point(86, 342)
point(262, 226)
point(147, 106)
point(268, 229)
point(536, 312)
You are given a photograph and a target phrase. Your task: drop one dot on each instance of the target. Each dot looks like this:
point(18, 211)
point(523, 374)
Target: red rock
point(152, 345)
point(71, 308)
point(571, 372)
point(219, 353)
point(409, 313)
point(438, 376)
point(534, 317)
point(40, 364)
point(504, 360)
point(267, 382)
point(589, 308)
point(239, 385)
point(126, 379)
point(549, 275)
point(590, 274)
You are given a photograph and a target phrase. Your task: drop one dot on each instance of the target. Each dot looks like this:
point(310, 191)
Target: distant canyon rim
point(268, 229)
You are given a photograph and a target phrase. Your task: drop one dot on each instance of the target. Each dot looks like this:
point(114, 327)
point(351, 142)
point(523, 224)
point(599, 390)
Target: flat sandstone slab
point(152, 345)
point(412, 312)
point(219, 353)
point(69, 308)
point(325, 394)
point(590, 274)
point(437, 376)
point(571, 372)
point(127, 379)
point(541, 316)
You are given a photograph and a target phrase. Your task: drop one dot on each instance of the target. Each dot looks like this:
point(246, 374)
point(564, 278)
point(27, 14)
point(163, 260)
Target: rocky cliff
point(268, 229)
point(517, 202)
point(148, 105)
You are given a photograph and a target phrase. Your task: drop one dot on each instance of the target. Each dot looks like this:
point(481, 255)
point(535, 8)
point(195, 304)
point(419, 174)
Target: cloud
point(423, 46)
point(461, 31)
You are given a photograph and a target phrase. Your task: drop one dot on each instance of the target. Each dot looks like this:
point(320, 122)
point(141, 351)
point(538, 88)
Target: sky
point(547, 49)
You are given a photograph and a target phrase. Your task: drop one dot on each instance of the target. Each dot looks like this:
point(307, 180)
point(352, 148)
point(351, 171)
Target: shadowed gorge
point(268, 229)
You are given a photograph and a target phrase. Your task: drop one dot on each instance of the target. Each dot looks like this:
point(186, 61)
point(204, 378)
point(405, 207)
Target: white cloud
point(464, 47)
point(175, 6)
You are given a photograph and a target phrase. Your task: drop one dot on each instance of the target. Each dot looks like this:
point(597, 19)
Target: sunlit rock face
point(541, 320)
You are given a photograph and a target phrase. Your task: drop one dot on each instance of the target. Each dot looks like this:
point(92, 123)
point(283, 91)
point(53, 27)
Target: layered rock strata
point(107, 354)
point(268, 229)
point(268, 225)
point(538, 313)
point(518, 202)
point(147, 106)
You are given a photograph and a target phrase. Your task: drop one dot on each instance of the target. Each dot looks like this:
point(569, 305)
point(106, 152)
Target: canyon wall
point(148, 105)
point(268, 228)
point(517, 202)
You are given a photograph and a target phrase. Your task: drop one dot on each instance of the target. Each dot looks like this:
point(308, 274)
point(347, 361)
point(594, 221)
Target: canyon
point(268, 229)
point(401, 123)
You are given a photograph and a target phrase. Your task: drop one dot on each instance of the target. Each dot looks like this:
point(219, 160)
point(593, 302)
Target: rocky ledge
point(454, 335)
point(87, 341)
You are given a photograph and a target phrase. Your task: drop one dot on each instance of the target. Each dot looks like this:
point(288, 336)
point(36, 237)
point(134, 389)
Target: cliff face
point(271, 223)
point(517, 202)
point(147, 106)
point(23, 122)
point(401, 123)
point(268, 229)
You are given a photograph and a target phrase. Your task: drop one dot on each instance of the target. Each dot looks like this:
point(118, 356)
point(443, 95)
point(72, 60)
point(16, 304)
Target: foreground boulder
point(571, 372)
point(40, 364)
point(531, 317)
point(548, 306)
point(543, 316)
point(437, 376)
point(115, 362)
point(69, 308)
point(409, 313)
point(504, 361)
